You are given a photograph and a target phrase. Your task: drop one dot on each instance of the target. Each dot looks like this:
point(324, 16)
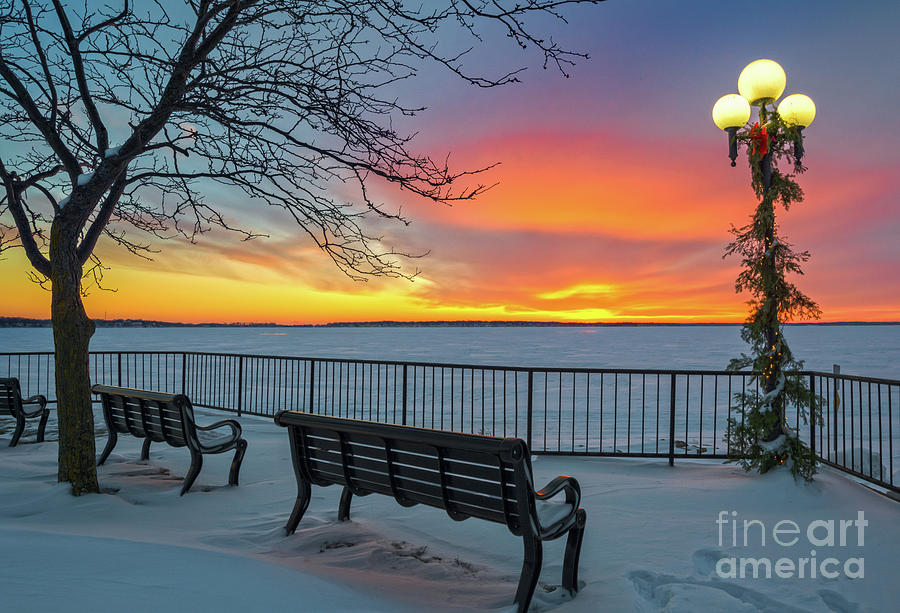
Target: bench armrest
point(38, 399)
point(560, 525)
point(234, 425)
point(562, 482)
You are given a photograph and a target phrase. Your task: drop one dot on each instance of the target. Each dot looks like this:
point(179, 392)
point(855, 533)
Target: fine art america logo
point(786, 534)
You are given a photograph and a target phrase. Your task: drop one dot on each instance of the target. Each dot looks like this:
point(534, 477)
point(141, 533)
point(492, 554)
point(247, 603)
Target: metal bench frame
point(323, 450)
point(176, 411)
point(11, 402)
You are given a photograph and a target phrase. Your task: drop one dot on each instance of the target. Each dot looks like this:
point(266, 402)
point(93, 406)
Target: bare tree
point(119, 118)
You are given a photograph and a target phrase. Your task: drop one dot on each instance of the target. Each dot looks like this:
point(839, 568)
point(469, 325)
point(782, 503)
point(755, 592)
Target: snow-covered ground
point(652, 542)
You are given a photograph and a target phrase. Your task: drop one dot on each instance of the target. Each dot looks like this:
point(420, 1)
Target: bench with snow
point(467, 475)
point(12, 403)
point(167, 418)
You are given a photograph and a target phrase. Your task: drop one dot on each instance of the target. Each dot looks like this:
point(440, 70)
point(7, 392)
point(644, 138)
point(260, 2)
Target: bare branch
point(26, 237)
point(38, 48)
point(103, 24)
point(86, 248)
point(48, 131)
point(78, 67)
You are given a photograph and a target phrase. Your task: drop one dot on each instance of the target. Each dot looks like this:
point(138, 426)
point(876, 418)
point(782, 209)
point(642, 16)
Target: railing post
point(312, 380)
point(837, 405)
point(240, 387)
point(812, 415)
point(183, 371)
point(404, 395)
point(120, 369)
point(672, 419)
point(530, 405)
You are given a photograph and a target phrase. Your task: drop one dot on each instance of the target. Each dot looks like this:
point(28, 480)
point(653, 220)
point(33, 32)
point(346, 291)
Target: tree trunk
point(72, 331)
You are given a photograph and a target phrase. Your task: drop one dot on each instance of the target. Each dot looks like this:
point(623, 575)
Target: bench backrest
point(467, 475)
point(145, 414)
point(10, 396)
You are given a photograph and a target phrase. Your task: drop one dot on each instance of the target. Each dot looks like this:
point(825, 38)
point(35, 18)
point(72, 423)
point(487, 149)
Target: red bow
point(760, 139)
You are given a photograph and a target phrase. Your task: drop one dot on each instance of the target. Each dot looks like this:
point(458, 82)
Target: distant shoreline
point(23, 322)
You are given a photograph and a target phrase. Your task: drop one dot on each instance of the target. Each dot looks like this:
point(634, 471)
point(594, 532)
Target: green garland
point(758, 436)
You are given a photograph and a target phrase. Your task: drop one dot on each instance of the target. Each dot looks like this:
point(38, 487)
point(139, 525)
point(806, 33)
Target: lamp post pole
point(769, 279)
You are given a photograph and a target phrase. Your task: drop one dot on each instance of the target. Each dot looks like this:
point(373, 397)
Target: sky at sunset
point(614, 192)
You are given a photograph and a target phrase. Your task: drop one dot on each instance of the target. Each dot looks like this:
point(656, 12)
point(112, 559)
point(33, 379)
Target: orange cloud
point(568, 182)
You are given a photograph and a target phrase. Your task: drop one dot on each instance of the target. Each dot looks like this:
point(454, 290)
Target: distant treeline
point(24, 322)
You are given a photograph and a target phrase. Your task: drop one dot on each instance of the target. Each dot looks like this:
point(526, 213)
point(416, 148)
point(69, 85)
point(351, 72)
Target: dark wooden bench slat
point(132, 410)
point(165, 423)
point(377, 474)
point(401, 456)
point(428, 474)
point(405, 485)
point(427, 471)
point(7, 400)
point(153, 419)
point(390, 472)
point(409, 490)
point(116, 408)
point(508, 503)
point(476, 454)
point(145, 429)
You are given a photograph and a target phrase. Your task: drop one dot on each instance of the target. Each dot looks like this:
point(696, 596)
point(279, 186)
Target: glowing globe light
point(731, 111)
point(761, 82)
point(797, 110)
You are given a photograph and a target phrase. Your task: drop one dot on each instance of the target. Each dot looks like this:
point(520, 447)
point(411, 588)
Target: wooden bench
point(11, 402)
point(167, 418)
point(467, 475)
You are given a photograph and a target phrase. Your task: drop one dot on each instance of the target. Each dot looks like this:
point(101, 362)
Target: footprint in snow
point(659, 592)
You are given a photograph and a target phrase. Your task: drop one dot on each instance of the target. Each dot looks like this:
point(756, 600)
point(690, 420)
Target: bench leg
point(531, 568)
point(304, 493)
point(113, 437)
point(20, 428)
point(573, 553)
point(196, 465)
point(145, 449)
point(344, 508)
point(45, 415)
point(236, 462)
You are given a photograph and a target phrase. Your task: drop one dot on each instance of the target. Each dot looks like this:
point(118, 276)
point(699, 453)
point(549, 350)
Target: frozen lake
point(860, 350)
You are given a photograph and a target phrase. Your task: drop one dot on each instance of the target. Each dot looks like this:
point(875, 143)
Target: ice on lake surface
point(872, 351)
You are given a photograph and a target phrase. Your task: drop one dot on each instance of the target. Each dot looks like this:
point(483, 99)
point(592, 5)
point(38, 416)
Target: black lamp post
point(760, 84)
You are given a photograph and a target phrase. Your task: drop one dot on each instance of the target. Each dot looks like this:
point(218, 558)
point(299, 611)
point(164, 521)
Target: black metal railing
point(570, 411)
point(859, 420)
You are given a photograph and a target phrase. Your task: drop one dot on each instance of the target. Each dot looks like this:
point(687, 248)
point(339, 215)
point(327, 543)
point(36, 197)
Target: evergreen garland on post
point(758, 436)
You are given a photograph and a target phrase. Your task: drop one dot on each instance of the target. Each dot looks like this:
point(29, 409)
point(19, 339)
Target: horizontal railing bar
point(843, 377)
point(497, 367)
point(860, 475)
point(633, 454)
